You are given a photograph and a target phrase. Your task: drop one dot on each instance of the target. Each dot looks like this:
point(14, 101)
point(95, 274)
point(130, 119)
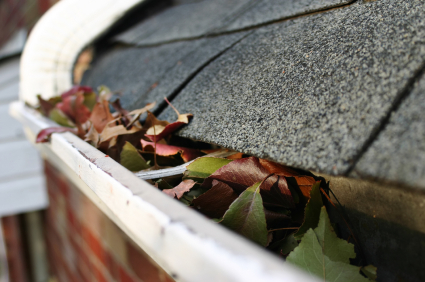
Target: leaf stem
point(154, 149)
point(286, 228)
point(166, 100)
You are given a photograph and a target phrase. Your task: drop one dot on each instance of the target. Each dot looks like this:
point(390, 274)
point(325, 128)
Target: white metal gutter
point(183, 242)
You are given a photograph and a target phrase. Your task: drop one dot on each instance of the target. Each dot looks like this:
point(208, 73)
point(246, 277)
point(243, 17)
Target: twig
point(166, 100)
point(286, 228)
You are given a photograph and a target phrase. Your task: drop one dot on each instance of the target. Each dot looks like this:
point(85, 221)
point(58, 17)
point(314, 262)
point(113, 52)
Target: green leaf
point(204, 167)
point(246, 215)
point(288, 244)
point(312, 211)
point(333, 247)
point(60, 118)
point(90, 100)
point(163, 184)
point(369, 271)
point(131, 159)
point(323, 254)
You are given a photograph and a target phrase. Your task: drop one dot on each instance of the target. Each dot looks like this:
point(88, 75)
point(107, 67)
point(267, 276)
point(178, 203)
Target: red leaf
point(215, 202)
point(163, 132)
point(187, 154)
point(74, 108)
point(45, 106)
point(160, 129)
point(179, 190)
point(43, 136)
point(75, 89)
point(243, 173)
point(101, 115)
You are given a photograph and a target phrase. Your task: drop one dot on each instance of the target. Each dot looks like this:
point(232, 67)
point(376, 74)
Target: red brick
point(99, 275)
point(111, 265)
point(93, 242)
point(141, 265)
point(125, 276)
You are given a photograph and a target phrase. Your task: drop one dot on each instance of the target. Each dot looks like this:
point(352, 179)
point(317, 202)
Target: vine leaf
point(242, 173)
point(323, 254)
point(179, 190)
point(312, 211)
point(246, 215)
point(131, 159)
point(215, 202)
point(44, 135)
point(187, 154)
point(204, 167)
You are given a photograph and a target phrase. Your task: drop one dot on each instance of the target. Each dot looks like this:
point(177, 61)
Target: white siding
point(22, 186)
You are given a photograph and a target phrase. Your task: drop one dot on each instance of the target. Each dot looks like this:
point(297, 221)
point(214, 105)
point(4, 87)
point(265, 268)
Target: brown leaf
point(215, 202)
point(124, 113)
point(160, 129)
point(243, 173)
point(179, 190)
point(92, 136)
point(278, 169)
point(235, 156)
point(275, 219)
point(111, 131)
point(305, 183)
point(101, 115)
point(137, 113)
point(187, 154)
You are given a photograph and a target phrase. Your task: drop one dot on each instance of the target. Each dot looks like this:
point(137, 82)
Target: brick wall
point(85, 245)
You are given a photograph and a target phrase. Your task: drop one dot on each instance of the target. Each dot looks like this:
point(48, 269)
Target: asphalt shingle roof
point(313, 91)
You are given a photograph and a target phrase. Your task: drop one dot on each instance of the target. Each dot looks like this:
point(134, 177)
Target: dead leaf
point(179, 190)
point(215, 202)
point(92, 136)
point(156, 129)
point(137, 113)
point(243, 173)
point(187, 154)
point(119, 109)
point(73, 106)
point(43, 135)
point(111, 131)
point(277, 169)
point(101, 115)
point(75, 89)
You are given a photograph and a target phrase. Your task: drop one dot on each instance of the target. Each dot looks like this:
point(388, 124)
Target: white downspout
point(58, 38)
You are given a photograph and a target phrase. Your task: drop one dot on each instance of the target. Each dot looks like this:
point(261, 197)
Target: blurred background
point(22, 185)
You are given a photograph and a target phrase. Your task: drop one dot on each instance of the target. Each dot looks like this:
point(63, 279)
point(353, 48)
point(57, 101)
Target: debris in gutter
point(278, 207)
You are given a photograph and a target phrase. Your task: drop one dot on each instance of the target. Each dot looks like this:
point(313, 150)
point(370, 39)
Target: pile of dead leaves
point(278, 207)
point(119, 134)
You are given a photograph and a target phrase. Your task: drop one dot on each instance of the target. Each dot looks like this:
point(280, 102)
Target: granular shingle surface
point(144, 75)
point(309, 92)
point(184, 21)
point(264, 11)
point(398, 154)
point(212, 17)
